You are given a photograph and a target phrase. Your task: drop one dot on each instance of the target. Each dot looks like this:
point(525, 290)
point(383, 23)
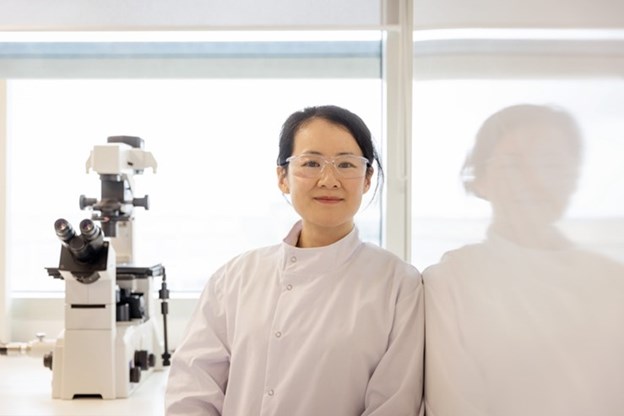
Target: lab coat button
point(278, 334)
point(270, 392)
point(293, 259)
point(289, 287)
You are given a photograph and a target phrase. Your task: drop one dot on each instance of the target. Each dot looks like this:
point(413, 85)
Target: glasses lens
point(308, 166)
point(350, 167)
point(311, 166)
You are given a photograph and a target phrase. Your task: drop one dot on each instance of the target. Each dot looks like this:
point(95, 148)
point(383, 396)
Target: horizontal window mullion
point(317, 68)
point(191, 50)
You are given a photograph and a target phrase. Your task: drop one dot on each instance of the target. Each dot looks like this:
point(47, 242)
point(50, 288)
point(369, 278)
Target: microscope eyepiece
point(92, 234)
point(83, 247)
point(88, 229)
point(64, 231)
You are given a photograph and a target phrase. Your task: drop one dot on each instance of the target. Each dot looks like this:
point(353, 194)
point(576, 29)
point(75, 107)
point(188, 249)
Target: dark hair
point(336, 115)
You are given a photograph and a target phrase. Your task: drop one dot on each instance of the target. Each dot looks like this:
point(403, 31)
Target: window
point(457, 88)
point(213, 130)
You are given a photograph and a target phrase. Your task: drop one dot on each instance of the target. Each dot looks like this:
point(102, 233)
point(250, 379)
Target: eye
point(346, 164)
point(310, 163)
point(349, 163)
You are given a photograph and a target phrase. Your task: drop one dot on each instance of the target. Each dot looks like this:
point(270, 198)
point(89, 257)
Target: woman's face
point(328, 203)
point(532, 174)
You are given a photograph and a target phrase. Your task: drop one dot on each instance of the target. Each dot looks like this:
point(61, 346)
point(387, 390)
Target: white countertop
point(26, 390)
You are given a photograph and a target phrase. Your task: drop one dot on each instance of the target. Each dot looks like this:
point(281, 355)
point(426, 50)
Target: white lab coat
point(515, 331)
point(335, 330)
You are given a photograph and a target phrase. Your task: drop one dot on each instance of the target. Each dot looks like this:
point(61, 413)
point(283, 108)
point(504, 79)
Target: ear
point(368, 180)
point(282, 179)
point(478, 187)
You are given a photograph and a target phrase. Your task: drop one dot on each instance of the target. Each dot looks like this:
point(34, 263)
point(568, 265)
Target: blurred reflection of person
point(525, 322)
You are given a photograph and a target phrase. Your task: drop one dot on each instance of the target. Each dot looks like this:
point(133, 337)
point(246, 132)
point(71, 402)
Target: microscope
point(111, 341)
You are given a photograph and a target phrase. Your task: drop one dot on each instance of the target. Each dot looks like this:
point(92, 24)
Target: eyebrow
point(314, 152)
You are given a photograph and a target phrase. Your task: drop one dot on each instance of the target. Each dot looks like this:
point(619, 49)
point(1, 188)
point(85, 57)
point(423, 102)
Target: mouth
point(328, 199)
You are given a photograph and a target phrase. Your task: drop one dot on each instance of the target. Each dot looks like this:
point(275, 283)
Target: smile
point(328, 200)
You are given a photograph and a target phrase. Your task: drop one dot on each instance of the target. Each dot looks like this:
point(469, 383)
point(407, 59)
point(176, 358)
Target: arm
point(396, 386)
point(200, 365)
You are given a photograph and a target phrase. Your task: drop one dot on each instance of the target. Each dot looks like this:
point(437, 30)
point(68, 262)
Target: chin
point(330, 222)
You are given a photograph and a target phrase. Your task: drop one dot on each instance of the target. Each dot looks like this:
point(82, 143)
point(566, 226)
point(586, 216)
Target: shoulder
point(380, 262)
point(244, 263)
point(378, 255)
point(454, 259)
point(252, 257)
point(467, 251)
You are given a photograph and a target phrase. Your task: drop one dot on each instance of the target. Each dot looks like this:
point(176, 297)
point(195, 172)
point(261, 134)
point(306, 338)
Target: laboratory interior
point(138, 146)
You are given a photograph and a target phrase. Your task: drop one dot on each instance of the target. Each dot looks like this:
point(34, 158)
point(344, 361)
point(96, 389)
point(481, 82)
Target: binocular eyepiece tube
point(89, 230)
point(83, 247)
point(64, 230)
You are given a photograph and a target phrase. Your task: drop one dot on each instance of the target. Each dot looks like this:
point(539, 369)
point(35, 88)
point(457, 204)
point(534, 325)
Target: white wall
point(179, 14)
point(442, 14)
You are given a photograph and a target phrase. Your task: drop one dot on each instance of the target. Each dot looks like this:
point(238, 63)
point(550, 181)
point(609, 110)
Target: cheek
point(299, 186)
point(357, 189)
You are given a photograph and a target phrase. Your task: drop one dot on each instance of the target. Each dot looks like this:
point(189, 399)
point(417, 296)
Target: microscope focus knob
point(135, 374)
point(141, 202)
point(85, 202)
point(47, 360)
point(141, 359)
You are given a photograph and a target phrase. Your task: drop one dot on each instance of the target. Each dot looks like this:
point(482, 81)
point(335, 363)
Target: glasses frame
point(329, 161)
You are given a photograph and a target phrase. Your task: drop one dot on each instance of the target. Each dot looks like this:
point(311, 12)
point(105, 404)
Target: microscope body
point(84, 353)
point(117, 162)
point(110, 342)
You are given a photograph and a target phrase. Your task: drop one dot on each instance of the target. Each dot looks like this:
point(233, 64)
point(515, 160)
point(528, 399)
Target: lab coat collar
point(317, 259)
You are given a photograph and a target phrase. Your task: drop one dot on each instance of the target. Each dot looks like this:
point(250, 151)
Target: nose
point(329, 176)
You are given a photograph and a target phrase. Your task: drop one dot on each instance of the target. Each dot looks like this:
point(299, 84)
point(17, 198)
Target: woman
point(321, 324)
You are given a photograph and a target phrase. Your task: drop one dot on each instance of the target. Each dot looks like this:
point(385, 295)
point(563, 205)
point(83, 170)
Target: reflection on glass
point(525, 322)
point(525, 163)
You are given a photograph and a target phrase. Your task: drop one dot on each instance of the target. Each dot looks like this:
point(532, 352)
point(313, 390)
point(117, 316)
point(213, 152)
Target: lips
point(328, 199)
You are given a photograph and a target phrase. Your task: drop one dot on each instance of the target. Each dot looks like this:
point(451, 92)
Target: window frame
point(24, 314)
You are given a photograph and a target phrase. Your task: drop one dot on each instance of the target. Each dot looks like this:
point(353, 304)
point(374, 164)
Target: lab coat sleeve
point(200, 365)
point(396, 386)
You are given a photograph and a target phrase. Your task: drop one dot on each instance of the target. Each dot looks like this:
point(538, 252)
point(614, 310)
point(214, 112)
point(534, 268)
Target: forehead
point(538, 141)
point(321, 136)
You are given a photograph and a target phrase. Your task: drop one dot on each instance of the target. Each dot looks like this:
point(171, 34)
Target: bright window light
point(215, 193)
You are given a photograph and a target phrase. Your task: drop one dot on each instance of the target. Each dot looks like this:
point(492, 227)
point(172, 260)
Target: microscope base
point(82, 361)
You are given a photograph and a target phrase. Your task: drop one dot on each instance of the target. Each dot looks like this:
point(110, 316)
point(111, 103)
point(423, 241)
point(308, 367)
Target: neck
point(542, 236)
point(314, 236)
